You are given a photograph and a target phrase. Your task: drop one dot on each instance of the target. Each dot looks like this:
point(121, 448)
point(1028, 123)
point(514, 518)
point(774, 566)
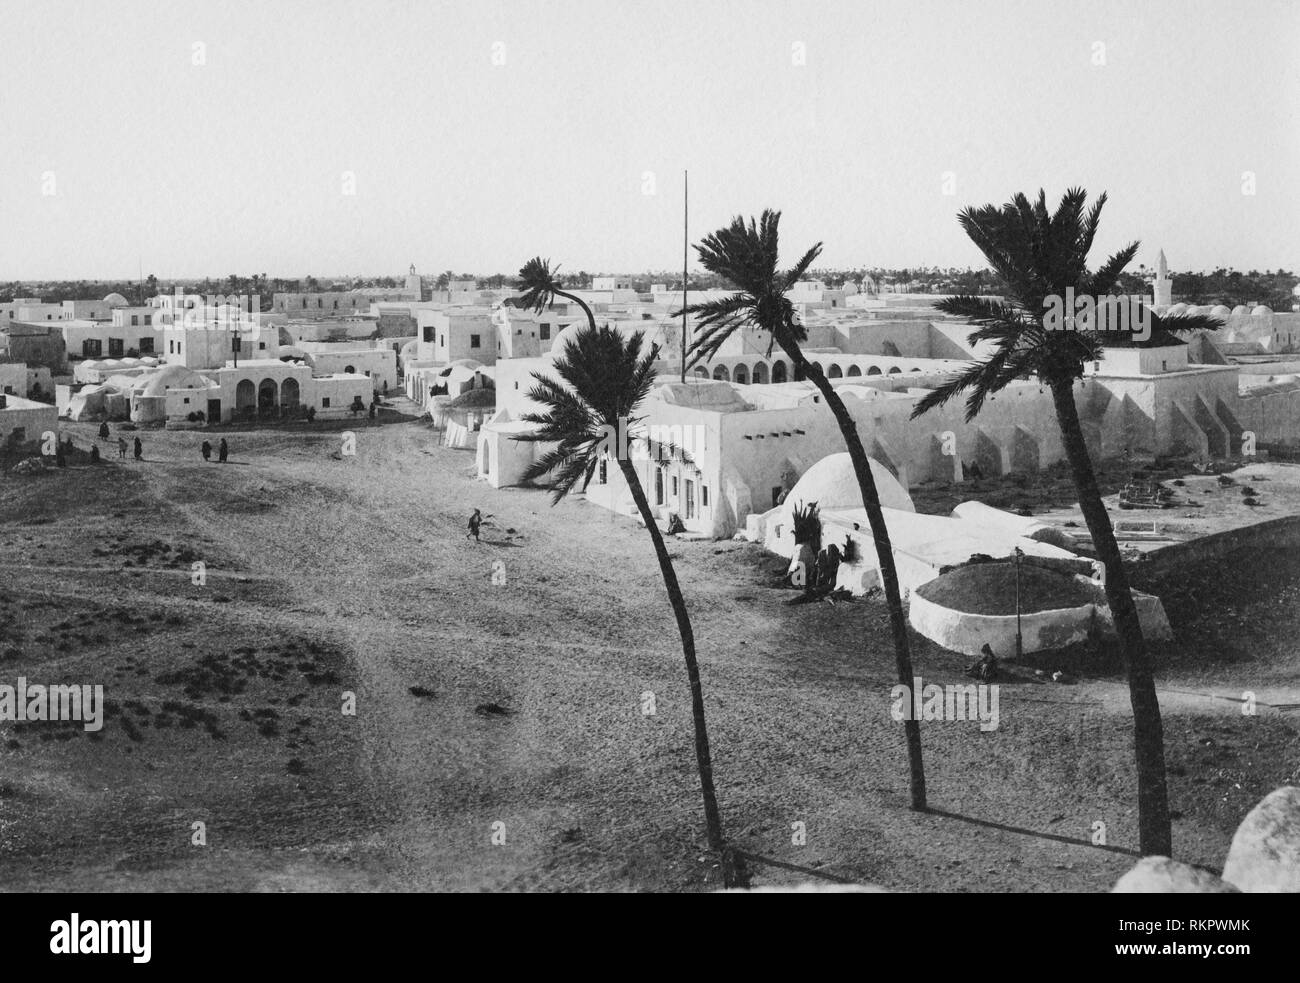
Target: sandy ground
point(500, 740)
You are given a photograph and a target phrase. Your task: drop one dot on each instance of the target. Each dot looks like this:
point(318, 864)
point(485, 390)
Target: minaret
point(413, 284)
point(1162, 289)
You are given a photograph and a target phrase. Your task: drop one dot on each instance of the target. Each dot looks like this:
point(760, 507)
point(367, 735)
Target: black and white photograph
point(692, 447)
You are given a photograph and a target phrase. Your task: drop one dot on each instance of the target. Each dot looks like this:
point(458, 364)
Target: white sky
point(236, 165)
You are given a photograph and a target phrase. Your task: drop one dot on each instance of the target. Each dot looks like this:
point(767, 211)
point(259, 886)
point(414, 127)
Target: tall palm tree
point(1039, 256)
point(603, 378)
point(745, 256)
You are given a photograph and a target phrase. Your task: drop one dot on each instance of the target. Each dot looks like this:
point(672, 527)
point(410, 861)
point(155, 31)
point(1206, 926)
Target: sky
point(332, 138)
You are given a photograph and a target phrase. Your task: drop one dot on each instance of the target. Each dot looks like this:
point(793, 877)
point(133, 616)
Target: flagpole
point(686, 240)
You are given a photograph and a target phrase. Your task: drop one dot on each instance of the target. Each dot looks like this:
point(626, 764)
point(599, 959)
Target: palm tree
point(745, 256)
point(1039, 256)
point(604, 379)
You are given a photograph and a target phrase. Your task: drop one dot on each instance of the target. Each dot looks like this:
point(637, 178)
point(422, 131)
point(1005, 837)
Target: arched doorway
point(835, 373)
point(740, 375)
point(873, 370)
point(895, 370)
point(778, 371)
point(289, 395)
point(245, 395)
point(266, 396)
point(720, 374)
point(760, 374)
point(701, 372)
point(854, 370)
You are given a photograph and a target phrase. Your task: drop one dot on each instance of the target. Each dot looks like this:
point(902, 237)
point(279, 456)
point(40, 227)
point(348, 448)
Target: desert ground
point(499, 740)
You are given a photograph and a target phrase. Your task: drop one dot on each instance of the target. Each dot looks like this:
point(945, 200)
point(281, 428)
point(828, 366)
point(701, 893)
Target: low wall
point(959, 631)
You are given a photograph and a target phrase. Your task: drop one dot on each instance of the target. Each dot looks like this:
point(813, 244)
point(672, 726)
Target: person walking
point(121, 448)
point(94, 453)
point(103, 431)
point(206, 450)
point(223, 451)
point(139, 450)
point(475, 521)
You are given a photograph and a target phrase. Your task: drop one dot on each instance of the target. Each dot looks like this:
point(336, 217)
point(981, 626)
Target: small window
point(442, 341)
point(428, 334)
point(148, 320)
point(546, 332)
point(604, 471)
point(325, 403)
point(261, 346)
point(659, 486)
point(674, 486)
point(704, 495)
point(475, 340)
point(135, 320)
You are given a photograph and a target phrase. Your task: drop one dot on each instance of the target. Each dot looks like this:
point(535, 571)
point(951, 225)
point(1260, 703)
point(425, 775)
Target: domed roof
point(1241, 309)
point(116, 300)
point(565, 336)
point(832, 484)
point(171, 377)
point(1262, 309)
point(1221, 310)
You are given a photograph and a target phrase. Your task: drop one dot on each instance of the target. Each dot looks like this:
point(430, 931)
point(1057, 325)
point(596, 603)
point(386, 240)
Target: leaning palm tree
point(1039, 257)
point(603, 378)
point(745, 256)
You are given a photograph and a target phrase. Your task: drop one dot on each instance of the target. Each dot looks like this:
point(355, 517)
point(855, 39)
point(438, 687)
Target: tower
point(413, 286)
point(1162, 289)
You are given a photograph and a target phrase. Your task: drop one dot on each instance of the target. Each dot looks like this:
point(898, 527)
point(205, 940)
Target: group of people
point(821, 568)
point(223, 449)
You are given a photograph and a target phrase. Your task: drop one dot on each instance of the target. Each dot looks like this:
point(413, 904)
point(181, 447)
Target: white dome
point(565, 336)
point(1241, 309)
point(1221, 310)
point(1262, 309)
point(832, 484)
point(116, 300)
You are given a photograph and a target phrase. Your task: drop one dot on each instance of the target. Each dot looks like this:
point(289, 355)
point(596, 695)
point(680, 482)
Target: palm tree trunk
point(1154, 832)
point(703, 759)
point(884, 551)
